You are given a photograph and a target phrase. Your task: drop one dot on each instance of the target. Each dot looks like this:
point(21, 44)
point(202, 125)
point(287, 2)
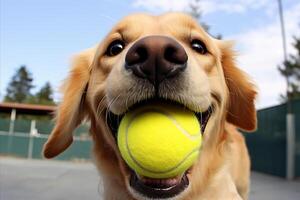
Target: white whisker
point(101, 106)
point(107, 111)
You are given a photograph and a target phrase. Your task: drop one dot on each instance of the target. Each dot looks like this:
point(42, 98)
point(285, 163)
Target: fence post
point(290, 146)
point(31, 138)
point(12, 121)
point(11, 129)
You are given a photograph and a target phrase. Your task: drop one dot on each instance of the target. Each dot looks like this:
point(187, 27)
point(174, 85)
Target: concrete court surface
point(22, 179)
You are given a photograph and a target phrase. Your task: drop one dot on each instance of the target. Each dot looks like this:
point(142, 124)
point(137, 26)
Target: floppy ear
point(242, 92)
point(72, 109)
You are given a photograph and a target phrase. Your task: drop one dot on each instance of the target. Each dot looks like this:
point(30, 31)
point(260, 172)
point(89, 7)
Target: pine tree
point(291, 69)
point(19, 87)
point(45, 95)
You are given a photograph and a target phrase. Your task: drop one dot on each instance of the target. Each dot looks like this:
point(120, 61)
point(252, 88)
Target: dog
point(167, 58)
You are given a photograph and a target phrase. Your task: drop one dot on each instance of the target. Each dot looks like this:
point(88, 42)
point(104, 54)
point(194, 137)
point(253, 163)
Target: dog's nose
point(156, 58)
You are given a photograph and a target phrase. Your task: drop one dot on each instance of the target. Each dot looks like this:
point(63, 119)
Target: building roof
point(29, 109)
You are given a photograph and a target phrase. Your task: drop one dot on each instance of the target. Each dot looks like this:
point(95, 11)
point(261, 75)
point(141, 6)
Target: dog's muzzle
point(156, 58)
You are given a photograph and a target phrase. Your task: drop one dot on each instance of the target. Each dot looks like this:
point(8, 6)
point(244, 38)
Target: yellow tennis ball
point(159, 140)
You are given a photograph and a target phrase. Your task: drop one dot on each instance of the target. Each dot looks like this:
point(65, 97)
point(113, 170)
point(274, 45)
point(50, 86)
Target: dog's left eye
point(115, 48)
point(199, 46)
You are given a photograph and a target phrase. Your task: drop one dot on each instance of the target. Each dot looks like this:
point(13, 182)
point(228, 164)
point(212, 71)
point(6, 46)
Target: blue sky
point(44, 35)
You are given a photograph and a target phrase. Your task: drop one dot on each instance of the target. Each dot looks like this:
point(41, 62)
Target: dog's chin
point(149, 188)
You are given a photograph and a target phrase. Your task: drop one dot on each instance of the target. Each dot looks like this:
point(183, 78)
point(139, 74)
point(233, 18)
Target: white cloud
point(207, 6)
point(161, 5)
point(261, 52)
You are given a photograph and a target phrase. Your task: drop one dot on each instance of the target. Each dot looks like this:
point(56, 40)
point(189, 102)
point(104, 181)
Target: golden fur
point(97, 83)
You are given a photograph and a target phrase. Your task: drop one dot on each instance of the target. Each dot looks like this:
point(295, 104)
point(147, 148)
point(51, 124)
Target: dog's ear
point(72, 109)
point(242, 92)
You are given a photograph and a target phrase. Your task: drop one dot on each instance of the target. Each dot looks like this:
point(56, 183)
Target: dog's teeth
point(166, 182)
point(173, 181)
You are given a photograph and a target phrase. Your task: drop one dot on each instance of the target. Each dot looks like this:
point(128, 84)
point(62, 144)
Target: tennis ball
point(159, 140)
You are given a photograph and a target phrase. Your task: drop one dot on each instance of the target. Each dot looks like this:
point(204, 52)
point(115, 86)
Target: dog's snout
point(156, 58)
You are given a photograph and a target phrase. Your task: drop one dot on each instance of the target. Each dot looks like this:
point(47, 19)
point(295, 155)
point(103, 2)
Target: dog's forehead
point(170, 23)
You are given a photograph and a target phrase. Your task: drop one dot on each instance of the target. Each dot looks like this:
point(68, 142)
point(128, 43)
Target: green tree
point(45, 95)
point(19, 87)
point(290, 69)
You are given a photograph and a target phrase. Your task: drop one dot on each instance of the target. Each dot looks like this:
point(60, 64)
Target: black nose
point(156, 58)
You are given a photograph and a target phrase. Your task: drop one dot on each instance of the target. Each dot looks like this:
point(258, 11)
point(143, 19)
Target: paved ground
point(56, 180)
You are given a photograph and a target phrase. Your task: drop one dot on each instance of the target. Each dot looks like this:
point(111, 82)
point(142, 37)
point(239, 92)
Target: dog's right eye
point(199, 46)
point(115, 48)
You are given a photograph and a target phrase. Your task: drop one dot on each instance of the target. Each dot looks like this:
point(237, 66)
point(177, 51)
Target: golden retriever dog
point(161, 58)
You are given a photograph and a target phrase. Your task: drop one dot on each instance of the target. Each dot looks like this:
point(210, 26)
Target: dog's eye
point(115, 48)
point(199, 46)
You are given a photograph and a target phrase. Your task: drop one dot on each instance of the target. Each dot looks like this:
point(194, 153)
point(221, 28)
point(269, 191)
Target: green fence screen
point(296, 110)
point(4, 125)
point(21, 144)
point(18, 145)
point(44, 126)
point(267, 146)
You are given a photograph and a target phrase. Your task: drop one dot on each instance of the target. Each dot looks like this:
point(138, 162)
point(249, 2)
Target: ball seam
point(182, 130)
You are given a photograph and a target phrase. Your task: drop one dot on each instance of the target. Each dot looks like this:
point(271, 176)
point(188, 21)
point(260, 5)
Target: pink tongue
point(167, 182)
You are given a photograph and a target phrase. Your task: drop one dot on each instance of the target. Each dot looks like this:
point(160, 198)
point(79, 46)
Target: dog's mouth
point(113, 120)
point(158, 188)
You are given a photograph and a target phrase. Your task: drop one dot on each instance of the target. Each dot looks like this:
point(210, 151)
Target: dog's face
point(155, 58)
